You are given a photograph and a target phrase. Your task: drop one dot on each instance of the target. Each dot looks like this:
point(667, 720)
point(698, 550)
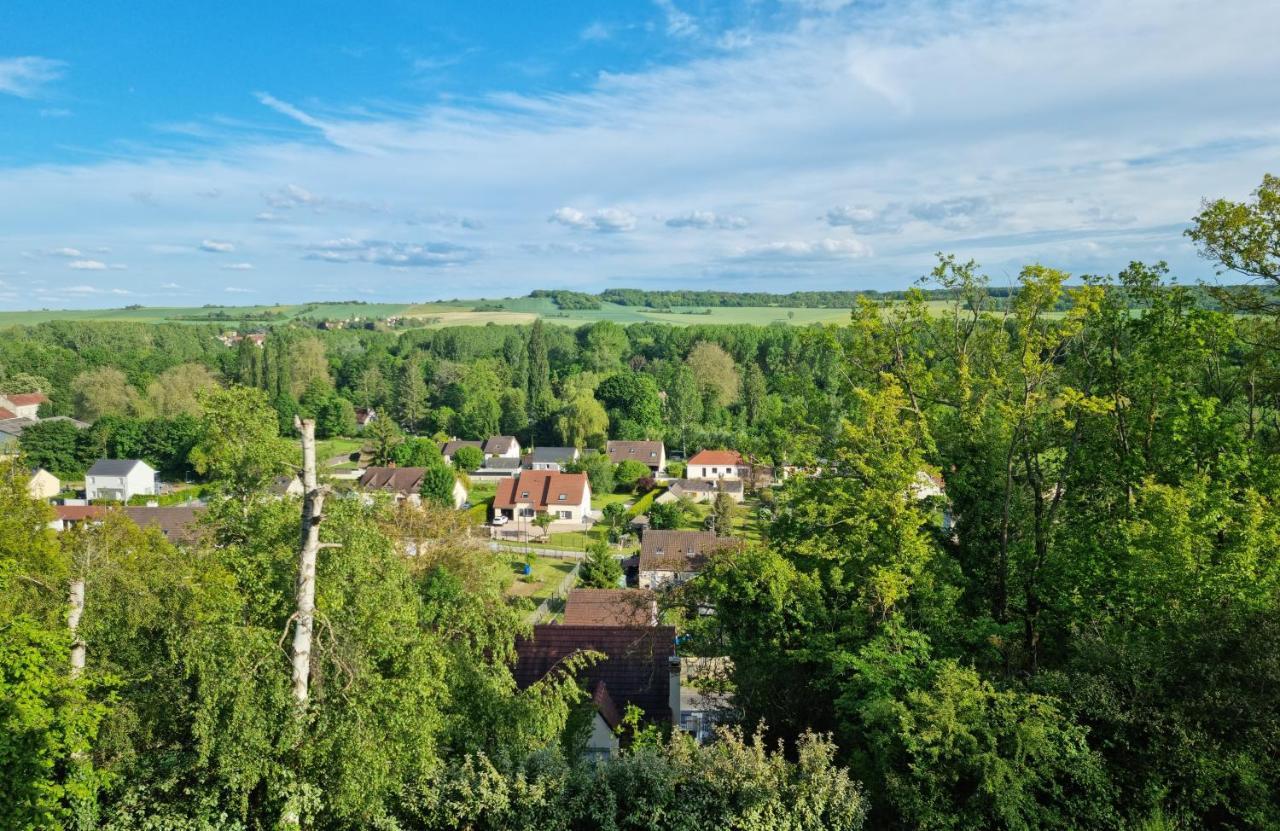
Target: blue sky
point(179, 153)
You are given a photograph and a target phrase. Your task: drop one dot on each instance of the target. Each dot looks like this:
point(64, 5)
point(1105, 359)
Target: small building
point(502, 447)
point(495, 468)
point(566, 496)
point(67, 517)
point(717, 464)
point(670, 558)
point(651, 453)
point(22, 405)
point(43, 484)
point(551, 458)
point(284, 486)
point(610, 607)
point(452, 446)
point(640, 668)
point(120, 480)
point(406, 483)
point(701, 490)
point(364, 415)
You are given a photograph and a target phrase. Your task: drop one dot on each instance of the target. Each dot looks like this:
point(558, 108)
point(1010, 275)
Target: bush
point(676, 470)
point(628, 473)
point(468, 458)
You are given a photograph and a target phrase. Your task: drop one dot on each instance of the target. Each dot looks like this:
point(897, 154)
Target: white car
point(500, 519)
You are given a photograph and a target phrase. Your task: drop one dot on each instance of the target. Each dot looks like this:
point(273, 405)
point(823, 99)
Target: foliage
point(437, 484)
point(665, 516)
point(239, 447)
point(468, 458)
point(600, 569)
point(599, 470)
point(629, 472)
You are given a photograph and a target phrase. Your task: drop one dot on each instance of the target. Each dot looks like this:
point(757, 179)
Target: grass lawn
point(329, 448)
point(546, 577)
point(599, 500)
point(745, 524)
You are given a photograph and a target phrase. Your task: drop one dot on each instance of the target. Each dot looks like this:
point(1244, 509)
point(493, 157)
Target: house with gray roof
point(551, 458)
point(120, 480)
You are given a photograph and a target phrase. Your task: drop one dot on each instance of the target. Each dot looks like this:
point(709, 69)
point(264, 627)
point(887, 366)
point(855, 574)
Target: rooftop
point(610, 607)
point(679, 551)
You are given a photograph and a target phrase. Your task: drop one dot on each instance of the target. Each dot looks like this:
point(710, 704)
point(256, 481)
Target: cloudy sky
point(176, 153)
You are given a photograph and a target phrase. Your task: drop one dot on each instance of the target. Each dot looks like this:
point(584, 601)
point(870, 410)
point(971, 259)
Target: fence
point(544, 608)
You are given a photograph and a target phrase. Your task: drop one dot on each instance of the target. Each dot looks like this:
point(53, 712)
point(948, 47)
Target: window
point(562, 497)
point(566, 514)
point(714, 470)
point(524, 494)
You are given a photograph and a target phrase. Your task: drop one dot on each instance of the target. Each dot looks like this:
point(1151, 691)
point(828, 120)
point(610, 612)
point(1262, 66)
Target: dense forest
point(1093, 642)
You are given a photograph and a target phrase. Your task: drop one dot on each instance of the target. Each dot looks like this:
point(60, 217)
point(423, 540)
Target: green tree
point(1244, 237)
point(633, 405)
point(514, 420)
point(335, 416)
point(176, 391)
point(629, 472)
point(614, 516)
point(240, 447)
point(724, 509)
point(468, 458)
point(411, 396)
point(385, 437)
point(582, 422)
point(754, 392)
point(418, 452)
point(684, 405)
point(600, 569)
point(666, 516)
point(103, 391)
point(715, 373)
point(54, 446)
point(437, 485)
point(598, 468)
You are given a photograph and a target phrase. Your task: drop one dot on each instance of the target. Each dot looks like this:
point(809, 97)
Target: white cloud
point(238, 267)
point(604, 221)
point(170, 286)
point(1005, 132)
point(87, 265)
point(217, 246)
point(595, 31)
point(706, 220)
point(823, 249)
point(679, 23)
point(27, 76)
point(237, 290)
point(395, 254)
point(67, 252)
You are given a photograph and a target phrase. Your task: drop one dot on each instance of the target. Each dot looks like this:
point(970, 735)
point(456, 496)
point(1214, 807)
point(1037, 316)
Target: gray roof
point(114, 467)
point(500, 463)
point(553, 454)
point(15, 426)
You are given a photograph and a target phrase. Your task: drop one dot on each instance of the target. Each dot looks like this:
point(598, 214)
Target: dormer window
point(562, 497)
point(524, 495)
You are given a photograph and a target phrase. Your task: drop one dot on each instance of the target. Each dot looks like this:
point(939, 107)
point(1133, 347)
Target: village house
point(66, 517)
point(364, 415)
point(610, 607)
point(406, 483)
point(120, 480)
point(551, 458)
point(702, 490)
point(565, 496)
point(670, 558)
point(651, 453)
point(712, 465)
point(178, 523)
point(452, 446)
point(21, 405)
point(43, 484)
point(502, 447)
point(640, 668)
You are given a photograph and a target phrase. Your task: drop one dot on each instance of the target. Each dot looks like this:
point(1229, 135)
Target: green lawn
point(599, 500)
point(547, 575)
point(328, 448)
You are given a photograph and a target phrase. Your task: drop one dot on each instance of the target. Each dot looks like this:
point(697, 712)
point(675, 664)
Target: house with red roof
point(21, 405)
point(712, 465)
point(566, 496)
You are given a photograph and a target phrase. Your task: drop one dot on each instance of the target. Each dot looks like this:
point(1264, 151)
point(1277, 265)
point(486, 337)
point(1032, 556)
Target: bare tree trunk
point(309, 548)
point(73, 623)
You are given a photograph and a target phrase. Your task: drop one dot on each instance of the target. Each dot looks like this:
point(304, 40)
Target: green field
point(518, 310)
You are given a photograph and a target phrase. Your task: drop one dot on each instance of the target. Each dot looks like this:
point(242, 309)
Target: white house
point(717, 464)
point(566, 496)
point(43, 484)
point(552, 458)
point(120, 480)
point(651, 453)
point(21, 405)
point(502, 447)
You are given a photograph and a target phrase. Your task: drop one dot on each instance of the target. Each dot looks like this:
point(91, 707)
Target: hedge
point(644, 503)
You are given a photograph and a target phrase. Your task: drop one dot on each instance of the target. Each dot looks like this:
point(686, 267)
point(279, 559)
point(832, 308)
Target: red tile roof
point(79, 513)
point(636, 669)
point(24, 399)
point(5, 414)
point(176, 522)
point(542, 488)
point(610, 607)
point(402, 480)
point(717, 457)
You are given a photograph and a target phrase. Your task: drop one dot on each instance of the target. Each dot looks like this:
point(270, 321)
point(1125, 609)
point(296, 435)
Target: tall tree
point(1244, 237)
point(411, 395)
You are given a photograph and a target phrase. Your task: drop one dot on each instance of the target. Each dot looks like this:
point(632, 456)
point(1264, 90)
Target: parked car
point(500, 519)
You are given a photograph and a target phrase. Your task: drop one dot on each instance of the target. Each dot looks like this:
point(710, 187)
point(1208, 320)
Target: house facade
point(406, 483)
point(566, 496)
point(43, 484)
point(552, 458)
point(670, 558)
point(452, 446)
point(120, 480)
point(711, 465)
point(651, 453)
point(702, 490)
point(502, 447)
